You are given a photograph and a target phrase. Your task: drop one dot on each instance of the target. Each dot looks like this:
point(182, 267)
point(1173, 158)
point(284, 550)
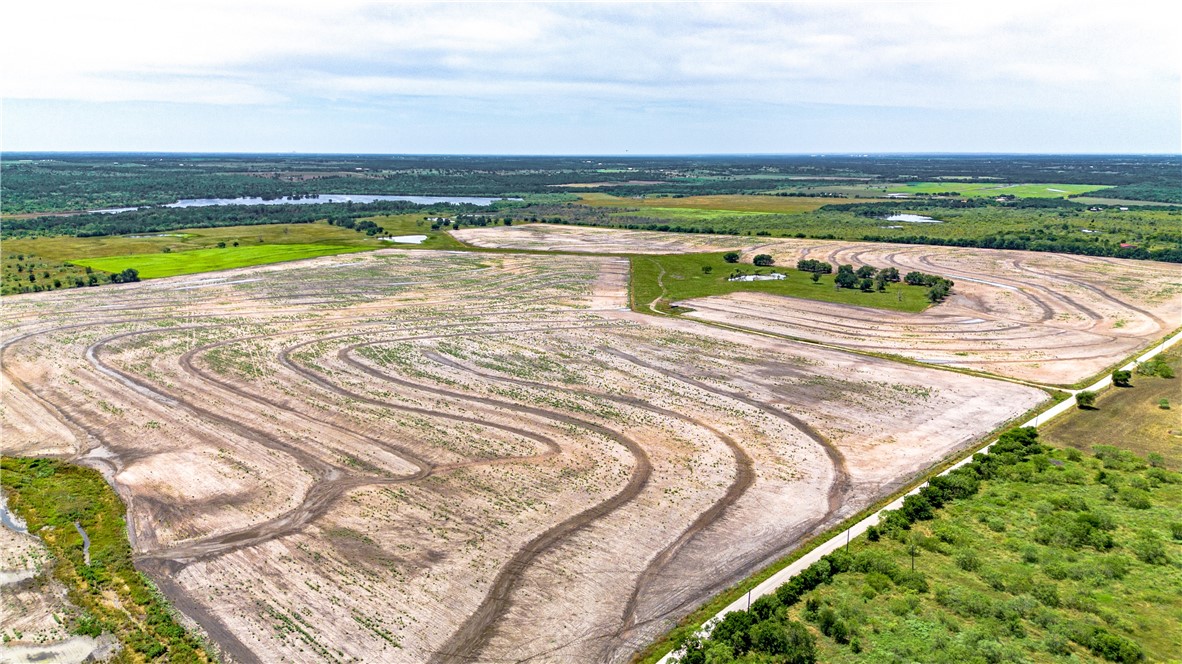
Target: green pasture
point(152, 266)
point(668, 278)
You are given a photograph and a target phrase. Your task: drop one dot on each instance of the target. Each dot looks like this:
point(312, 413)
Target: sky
point(348, 76)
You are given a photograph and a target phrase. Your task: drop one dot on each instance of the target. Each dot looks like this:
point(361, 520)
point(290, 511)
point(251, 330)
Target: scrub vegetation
point(1029, 553)
point(58, 502)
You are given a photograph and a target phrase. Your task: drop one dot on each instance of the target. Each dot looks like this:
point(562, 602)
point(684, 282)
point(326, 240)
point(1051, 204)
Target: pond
point(913, 218)
point(316, 199)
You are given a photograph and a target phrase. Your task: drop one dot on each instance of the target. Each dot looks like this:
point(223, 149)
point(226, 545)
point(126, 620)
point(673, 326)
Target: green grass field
point(192, 250)
point(111, 595)
point(153, 266)
point(669, 278)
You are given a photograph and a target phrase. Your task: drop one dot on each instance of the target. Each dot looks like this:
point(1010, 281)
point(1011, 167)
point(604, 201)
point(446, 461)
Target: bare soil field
point(416, 456)
point(556, 237)
point(1049, 318)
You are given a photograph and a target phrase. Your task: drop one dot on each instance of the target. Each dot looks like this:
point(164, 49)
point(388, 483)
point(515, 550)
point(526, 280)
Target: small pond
point(913, 218)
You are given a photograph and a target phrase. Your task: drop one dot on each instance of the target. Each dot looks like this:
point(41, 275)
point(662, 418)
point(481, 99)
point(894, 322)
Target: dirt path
point(744, 478)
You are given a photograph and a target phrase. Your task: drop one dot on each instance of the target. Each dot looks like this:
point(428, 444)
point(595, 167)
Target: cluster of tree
point(155, 220)
point(814, 266)
point(125, 277)
point(938, 287)
point(361, 226)
point(865, 278)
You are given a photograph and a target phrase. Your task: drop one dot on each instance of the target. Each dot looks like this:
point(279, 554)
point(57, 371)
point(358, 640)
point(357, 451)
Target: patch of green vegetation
point(51, 497)
point(661, 280)
point(152, 266)
point(989, 189)
point(30, 273)
point(1027, 554)
point(1130, 417)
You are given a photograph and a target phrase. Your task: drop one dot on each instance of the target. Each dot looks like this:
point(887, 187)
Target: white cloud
point(1054, 57)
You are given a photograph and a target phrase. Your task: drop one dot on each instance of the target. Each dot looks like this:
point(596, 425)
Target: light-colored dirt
point(556, 237)
point(1049, 318)
point(413, 455)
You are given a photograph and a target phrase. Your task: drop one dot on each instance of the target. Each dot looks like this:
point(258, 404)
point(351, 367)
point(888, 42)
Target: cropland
point(1046, 318)
point(423, 455)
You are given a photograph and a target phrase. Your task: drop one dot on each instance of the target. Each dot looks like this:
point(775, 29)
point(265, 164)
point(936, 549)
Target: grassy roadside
point(1130, 417)
point(51, 496)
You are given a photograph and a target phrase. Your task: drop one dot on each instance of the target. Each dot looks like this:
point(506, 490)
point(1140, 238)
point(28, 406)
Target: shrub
point(1122, 378)
point(1149, 549)
point(967, 560)
point(1085, 399)
point(731, 257)
point(763, 260)
point(1047, 593)
point(1137, 499)
point(1111, 647)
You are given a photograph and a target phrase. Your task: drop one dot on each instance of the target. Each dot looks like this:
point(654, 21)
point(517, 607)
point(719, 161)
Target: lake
point(334, 198)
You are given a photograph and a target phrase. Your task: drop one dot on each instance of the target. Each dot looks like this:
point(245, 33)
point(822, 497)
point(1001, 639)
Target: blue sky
point(593, 78)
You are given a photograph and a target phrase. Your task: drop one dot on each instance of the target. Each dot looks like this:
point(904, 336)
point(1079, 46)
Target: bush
point(763, 260)
point(1085, 399)
point(1111, 647)
point(1149, 549)
point(731, 257)
point(1122, 378)
point(967, 560)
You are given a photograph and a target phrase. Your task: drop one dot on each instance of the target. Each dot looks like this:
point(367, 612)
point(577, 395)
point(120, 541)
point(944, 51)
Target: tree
point(1121, 378)
point(845, 277)
point(938, 291)
point(866, 272)
point(867, 285)
point(763, 260)
point(816, 277)
point(802, 646)
point(814, 266)
point(1085, 399)
point(890, 274)
point(731, 257)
